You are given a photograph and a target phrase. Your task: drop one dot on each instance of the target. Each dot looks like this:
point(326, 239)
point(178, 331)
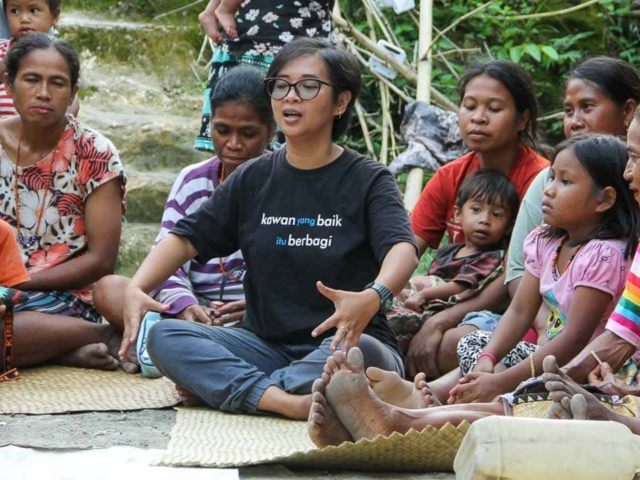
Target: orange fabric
point(12, 271)
point(433, 214)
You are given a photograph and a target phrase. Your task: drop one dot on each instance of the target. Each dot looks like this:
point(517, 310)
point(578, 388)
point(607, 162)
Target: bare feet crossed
point(394, 390)
point(227, 20)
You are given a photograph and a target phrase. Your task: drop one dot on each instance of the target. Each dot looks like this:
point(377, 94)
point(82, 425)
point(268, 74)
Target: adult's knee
point(377, 354)
point(161, 337)
point(109, 290)
point(448, 353)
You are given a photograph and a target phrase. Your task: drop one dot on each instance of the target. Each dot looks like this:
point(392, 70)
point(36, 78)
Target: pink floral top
point(83, 160)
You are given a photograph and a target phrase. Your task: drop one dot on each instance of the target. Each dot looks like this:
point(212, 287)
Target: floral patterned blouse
point(264, 26)
point(82, 161)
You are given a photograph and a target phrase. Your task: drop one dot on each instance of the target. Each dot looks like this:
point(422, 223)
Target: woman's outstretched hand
point(136, 304)
point(353, 312)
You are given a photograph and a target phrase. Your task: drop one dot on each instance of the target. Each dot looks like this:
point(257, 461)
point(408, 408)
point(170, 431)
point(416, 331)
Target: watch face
point(386, 303)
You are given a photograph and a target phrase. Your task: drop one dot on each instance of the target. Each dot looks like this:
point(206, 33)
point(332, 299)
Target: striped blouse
point(195, 281)
point(6, 102)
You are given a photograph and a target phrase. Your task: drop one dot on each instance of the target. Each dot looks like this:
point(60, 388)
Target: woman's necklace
point(35, 237)
point(554, 261)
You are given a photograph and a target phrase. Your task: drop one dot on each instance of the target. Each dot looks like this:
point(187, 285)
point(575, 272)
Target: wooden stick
point(181, 9)
point(548, 14)
point(600, 362)
point(365, 130)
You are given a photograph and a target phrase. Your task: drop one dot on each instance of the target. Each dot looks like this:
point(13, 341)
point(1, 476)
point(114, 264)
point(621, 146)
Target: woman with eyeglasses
point(327, 244)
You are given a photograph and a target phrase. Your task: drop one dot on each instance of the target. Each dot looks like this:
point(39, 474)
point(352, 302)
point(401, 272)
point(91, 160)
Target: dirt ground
point(143, 429)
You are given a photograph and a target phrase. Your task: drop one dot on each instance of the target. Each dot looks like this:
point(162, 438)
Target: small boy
point(25, 17)
point(486, 208)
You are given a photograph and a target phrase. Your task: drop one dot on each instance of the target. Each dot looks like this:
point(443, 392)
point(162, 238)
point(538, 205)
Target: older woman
point(62, 192)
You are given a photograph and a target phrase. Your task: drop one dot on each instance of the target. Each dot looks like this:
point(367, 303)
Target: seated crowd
point(284, 281)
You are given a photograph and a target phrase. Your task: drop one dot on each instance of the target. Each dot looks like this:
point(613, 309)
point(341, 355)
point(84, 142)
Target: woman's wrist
point(488, 355)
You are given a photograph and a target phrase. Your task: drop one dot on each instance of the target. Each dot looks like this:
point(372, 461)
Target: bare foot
point(357, 407)
point(188, 398)
point(324, 426)
point(394, 390)
point(210, 24)
point(563, 390)
point(131, 365)
point(227, 20)
point(95, 355)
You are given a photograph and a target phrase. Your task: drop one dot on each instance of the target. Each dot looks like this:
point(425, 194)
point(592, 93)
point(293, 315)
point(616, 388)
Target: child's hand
point(414, 302)
point(484, 365)
point(477, 387)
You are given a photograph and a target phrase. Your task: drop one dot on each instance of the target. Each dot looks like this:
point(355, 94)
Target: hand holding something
point(230, 312)
point(414, 302)
point(353, 312)
point(196, 313)
point(136, 304)
point(605, 379)
point(423, 350)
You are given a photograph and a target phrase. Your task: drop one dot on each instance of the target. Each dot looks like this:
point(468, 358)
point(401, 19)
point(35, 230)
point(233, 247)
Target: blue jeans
point(230, 368)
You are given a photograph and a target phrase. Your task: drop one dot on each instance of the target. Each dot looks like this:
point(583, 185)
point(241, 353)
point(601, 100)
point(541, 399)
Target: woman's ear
point(607, 199)
point(343, 102)
point(629, 110)
point(524, 120)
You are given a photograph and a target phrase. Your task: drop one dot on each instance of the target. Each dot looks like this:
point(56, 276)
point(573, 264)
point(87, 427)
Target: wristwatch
point(386, 295)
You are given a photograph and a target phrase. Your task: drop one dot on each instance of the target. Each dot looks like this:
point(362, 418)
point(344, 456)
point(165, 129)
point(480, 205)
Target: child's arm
point(442, 292)
point(517, 319)
point(587, 308)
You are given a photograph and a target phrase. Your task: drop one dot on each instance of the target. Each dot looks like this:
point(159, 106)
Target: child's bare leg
point(226, 13)
point(209, 21)
point(365, 416)
point(40, 338)
point(108, 298)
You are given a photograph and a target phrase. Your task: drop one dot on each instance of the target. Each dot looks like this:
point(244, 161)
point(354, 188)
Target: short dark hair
point(41, 41)
point(345, 74)
point(520, 86)
point(491, 187)
point(613, 77)
point(604, 157)
point(244, 85)
point(54, 5)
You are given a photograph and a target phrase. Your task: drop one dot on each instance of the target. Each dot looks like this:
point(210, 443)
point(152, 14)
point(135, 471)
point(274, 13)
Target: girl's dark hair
point(243, 85)
point(520, 86)
point(342, 68)
point(54, 5)
point(491, 187)
point(614, 77)
point(41, 41)
point(605, 157)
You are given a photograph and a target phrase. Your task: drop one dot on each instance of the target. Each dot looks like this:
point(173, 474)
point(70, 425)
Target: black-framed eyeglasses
point(306, 89)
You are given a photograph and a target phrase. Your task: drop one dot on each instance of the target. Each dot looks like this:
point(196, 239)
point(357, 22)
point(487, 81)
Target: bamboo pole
point(416, 175)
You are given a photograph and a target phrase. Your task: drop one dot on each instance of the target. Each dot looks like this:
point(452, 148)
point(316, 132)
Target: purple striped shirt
point(192, 188)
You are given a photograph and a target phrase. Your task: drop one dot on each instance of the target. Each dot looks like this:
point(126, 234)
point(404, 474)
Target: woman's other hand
point(353, 312)
point(196, 313)
point(229, 312)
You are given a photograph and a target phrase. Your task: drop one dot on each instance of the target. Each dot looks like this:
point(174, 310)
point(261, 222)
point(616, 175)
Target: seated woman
point(326, 240)
point(62, 191)
point(498, 111)
point(243, 125)
point(600, 97)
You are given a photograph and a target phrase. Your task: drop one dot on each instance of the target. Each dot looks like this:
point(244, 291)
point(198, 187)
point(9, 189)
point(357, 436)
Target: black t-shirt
point(295, 227)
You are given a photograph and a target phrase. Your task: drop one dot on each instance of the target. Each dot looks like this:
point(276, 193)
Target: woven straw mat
point(536, 405)
point(52, 389)
point(209, 438)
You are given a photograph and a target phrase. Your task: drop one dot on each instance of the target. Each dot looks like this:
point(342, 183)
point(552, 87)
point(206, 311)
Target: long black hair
point(345, 74)
point(605, 157)
point(520, 86)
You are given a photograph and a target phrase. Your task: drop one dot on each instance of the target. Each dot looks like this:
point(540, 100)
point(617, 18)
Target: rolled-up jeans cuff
point(250, 402)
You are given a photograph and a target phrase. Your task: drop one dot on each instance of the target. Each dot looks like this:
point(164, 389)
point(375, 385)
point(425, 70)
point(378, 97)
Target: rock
point(135, 243)
point(147, 193)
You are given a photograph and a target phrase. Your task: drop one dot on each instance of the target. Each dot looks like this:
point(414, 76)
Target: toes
point(356, 360)
point(549, 365)
point(340, 360)
point(420, 380)
point(557, 411)
point(318, 386)
point(375, 374)
point(578, 405)
point(130, 368)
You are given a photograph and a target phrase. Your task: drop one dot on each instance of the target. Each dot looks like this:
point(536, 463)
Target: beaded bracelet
point(488, 355)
